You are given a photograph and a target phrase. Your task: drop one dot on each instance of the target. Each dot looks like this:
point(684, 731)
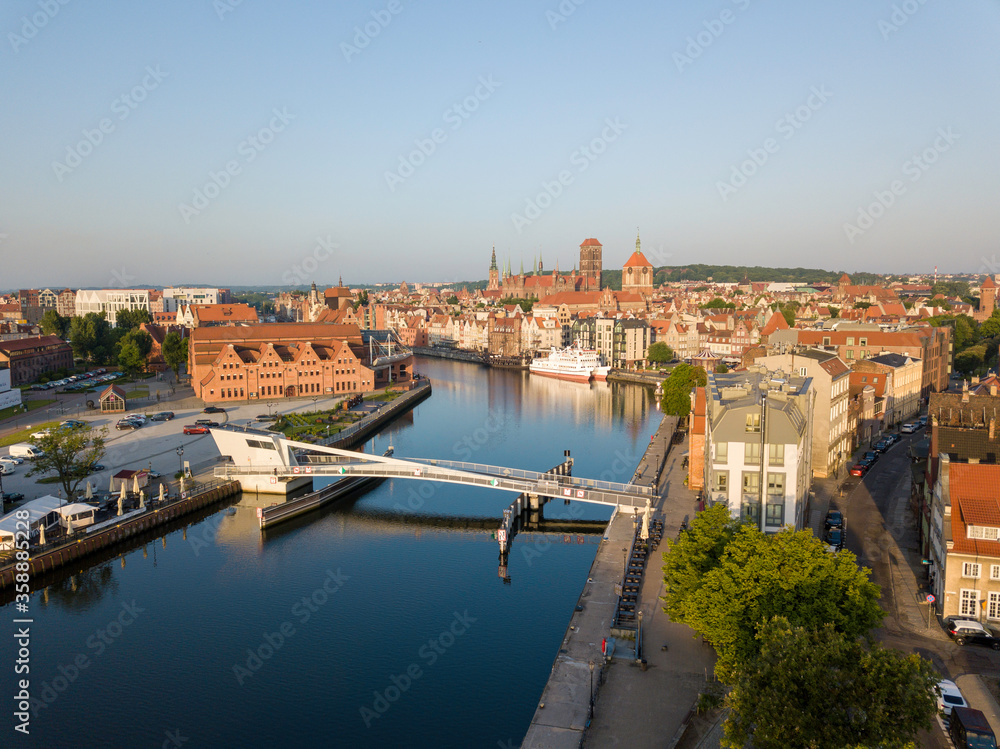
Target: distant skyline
point(252, 144)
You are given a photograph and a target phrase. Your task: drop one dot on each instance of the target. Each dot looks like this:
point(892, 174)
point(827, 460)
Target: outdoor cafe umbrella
point(41, 534)
point(111, 487)
point(142, 500)
point(644, 533)
point(121, 499)
point(135, 484)
point(90, 492)
point(162, 492)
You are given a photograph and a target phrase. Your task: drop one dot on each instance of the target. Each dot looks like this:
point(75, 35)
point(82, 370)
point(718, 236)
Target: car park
point(834, 519)
point(949, 696)
point(971, 632)
point(195, 429)
point(213, 410)
point(858, 469)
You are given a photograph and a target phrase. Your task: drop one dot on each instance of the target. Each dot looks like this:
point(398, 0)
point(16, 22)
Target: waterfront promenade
point(633, 707)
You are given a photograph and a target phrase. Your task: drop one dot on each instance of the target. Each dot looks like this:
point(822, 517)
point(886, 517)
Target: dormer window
point(984, 532)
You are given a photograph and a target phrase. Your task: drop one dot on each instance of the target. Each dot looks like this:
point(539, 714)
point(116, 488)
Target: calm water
point(377, 622)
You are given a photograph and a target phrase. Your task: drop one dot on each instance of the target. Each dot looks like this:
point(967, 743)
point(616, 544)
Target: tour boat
point(574, 364)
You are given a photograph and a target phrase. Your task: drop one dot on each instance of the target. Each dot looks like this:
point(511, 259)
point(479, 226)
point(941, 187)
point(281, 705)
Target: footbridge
point(259, 455)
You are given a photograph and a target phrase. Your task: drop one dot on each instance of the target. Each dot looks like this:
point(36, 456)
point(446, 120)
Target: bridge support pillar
point(535, 504)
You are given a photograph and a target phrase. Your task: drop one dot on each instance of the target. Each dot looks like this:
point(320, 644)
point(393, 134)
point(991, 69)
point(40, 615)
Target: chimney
point(993, 428)
point(993, 387)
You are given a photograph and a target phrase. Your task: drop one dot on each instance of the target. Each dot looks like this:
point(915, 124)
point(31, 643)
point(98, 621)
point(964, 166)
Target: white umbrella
point(135, 484)
point(120, 502)
point(142, 500)
point(41, 535)
point(182, 483)
point(162, 492)
point(69, 526)
point(644, 533)
point(111, 487)
point(90, 491)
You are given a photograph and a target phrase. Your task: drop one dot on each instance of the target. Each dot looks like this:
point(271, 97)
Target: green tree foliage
point(834, 313)
point(696, 551)
point(676, 400)
point(971, 360)
point(52, 323)
point(950, 289)
point(524, 304)
point(68, 453)
point(92, 338)
point(787, 574)
point(659, 353)
point(862, 305)
point(259, 300)
point(130, 319)
point(133, 349)
point(821, 689)
point(452, 299)
point(721, 368)
point(991, 325)
point(175, 351)
point(717, 303)
point(966, 332)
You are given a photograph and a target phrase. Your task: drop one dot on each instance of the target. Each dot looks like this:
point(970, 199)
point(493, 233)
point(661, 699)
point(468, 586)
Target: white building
point(8, 397)
point(177, 296)
point(758, 446)
point(110, 301)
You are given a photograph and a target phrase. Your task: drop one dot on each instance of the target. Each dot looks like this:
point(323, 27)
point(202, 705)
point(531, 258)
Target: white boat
point(574, 364)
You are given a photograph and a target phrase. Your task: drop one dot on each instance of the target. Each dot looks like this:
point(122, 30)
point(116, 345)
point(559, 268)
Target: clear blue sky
point(115, 217)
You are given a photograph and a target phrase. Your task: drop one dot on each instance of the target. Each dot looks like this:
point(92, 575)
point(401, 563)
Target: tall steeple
point(539, 262)
point(522, 266)
point(493, 259)
point(494, 282)
point(637, 248)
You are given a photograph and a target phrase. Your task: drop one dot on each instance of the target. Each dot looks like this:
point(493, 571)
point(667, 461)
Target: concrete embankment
point(362, 430)
point(564, 710)
point(448, 353)
point(638, 378)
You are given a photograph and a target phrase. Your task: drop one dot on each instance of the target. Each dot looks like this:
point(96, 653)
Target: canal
point(379, 621)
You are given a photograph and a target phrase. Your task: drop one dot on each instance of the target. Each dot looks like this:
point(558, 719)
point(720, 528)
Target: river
point(380, 621)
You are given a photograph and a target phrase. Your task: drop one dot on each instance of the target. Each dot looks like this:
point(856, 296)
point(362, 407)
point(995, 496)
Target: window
point(971, 570)
point(984, 532)
point(721, 483)
point(751, 453)
point(995, 572)
point(776, 455)
point(750, 512)
point(775, 485)
point(721, 452)
point(751, 483)
point(993, 606)
point(753, 422)
point(775, 513)
point(803, 372)
point(862, 341)
point(826, 340)
point(850, 340)
point(968, 603)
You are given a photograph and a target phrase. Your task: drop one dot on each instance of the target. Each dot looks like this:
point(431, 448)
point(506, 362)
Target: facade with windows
point(758, 445)
point(965, 540)
point(111, 301)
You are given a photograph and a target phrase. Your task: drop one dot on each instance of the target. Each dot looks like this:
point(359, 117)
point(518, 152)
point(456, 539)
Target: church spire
point(637, 248)
point(493, 260)
point(539, 262)
point(340, 280)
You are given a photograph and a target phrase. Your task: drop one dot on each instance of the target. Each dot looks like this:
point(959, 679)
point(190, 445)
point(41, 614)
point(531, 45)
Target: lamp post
point(180, 459)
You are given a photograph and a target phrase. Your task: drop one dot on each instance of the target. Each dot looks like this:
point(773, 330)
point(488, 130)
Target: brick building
point(29, 358)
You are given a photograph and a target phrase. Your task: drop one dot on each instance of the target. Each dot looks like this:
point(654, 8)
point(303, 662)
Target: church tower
point(637, 273)
point(987, 299)
point(590, 263)
point(494, 283)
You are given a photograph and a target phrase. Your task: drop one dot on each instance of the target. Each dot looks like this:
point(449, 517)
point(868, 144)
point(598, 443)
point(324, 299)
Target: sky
point(244, 142)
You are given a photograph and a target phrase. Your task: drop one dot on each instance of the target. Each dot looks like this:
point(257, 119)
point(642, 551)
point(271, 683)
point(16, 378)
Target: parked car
point(141, 418)
point(834, 519)
point(72, 424)
point(126, 424)
point(213, 410)
point(866, 463)
point(40, 434)
point(870, 455)
point(858, 469)
point(969, 729)
point(24, 450)
point(206, 423)
point(154, 474)
point(922, 421)
point(11, 460)
point(195, 429)
point(908, 428)
point(12, 497)
point(6, 468)
point(893, 437)
point(263, 417)
point(834, 539)
point(162, 416)
point(949, 696)
point(882, 445)
point(969, 632)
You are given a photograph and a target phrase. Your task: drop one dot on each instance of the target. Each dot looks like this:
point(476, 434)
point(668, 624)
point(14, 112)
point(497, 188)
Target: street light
point(591, 689)
point(180, 459)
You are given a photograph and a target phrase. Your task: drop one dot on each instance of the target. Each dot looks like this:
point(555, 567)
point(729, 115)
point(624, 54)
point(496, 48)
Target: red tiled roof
point(988, 283)
point(975, 500)
point(638, 260)
point(590, 242)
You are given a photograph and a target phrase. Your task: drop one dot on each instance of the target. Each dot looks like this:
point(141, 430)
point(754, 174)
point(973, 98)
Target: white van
point(24, 450)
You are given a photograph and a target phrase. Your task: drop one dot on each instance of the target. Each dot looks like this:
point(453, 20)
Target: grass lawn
point(30, 405)
point(140, 391)
point(22, 435)
point(383, 396)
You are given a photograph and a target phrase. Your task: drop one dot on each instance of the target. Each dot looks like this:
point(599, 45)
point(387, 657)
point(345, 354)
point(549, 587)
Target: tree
point(717, 303)
point(696, 551)
point(818, 688)
point(175, 351)
point(130, 319)
point(991, 325)
point(91, 337)
point(789, 314)
point(133, 349)
point(676, 400)
point(970, 360)
point(659, 353)
point(787, 574)
point(52, 323)
point(452, 299)
point(721, 368)
point(862, 305)
point(68, 453)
